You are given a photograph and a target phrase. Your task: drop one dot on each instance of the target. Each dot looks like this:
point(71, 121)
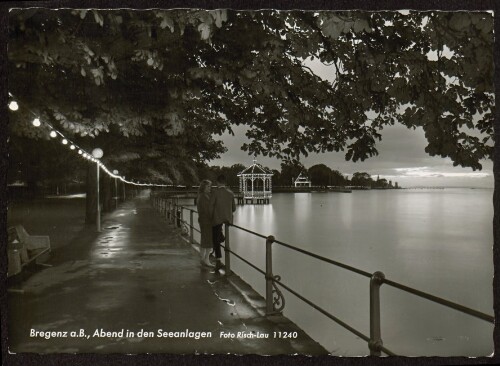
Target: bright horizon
point(401, 159)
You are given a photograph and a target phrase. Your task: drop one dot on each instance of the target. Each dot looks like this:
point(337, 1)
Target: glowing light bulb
point(97, 153)
point(53, 134)
point(72, 147)
point(80, 152)
point(65, 142)
point(36, 122)
point(13, 106)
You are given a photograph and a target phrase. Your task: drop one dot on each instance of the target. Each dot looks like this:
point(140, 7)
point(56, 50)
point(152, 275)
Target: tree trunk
point(91, 201)
point(496, 211)
point(107, 196)
point(32, 178)
point(120, 190)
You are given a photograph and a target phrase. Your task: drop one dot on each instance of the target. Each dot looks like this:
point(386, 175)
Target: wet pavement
point(138, 287)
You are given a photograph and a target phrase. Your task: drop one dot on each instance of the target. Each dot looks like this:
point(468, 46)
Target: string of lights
point(14, 106)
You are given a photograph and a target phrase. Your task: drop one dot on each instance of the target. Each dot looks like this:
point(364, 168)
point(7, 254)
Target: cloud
point(423, 172)
point(401, 158)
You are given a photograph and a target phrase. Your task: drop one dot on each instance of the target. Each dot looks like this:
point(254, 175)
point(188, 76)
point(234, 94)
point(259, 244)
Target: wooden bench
point(23, 249)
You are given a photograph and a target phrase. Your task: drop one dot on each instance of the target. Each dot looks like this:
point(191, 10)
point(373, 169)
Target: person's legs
point(207, 258)
point(204, 253)
point(216, 231)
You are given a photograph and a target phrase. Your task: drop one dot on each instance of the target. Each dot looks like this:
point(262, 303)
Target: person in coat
point(205, 221)
point(222, 206)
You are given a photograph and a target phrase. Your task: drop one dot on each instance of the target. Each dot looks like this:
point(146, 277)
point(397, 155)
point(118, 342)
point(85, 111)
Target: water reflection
point(257, 215)
point(437, 241)
point(111, 242)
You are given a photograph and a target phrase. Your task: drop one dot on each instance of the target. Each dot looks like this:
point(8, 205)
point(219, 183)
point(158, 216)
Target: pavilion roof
point(300, 178)
point(255, 168)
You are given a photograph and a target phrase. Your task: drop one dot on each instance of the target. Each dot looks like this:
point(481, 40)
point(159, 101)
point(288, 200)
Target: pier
point(278, 289)
point(138, 287)
point(242, 200)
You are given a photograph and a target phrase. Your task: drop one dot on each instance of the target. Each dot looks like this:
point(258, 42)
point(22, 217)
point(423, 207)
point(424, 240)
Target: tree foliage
point(362, 179)
point(231, 173)
point(290, 170)
point(170, 81)
point(321, 175)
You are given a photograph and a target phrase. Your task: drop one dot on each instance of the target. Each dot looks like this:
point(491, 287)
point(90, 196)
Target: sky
point(401, 158)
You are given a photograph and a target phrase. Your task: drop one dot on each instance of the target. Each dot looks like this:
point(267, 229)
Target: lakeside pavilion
point(302, 181)
point(255, 184)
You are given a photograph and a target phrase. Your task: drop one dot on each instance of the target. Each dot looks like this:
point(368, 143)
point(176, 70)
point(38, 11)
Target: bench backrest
point(21, 233)
point(12, 235)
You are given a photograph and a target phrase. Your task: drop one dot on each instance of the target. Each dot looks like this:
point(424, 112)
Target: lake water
point(437, 240)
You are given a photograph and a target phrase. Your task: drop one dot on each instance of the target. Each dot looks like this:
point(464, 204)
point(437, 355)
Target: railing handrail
point(381, 280)
point(440, 300)
point(331, 261)
point(433, 298)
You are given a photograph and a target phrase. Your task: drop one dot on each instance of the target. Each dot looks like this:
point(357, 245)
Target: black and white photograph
point(271, 182)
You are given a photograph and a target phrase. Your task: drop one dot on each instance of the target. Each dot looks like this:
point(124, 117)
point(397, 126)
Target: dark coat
point(205, 220)
point(222, 205)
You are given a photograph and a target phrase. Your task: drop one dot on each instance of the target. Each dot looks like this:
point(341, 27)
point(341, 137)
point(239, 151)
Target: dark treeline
point(320, 175)
point(58, 173)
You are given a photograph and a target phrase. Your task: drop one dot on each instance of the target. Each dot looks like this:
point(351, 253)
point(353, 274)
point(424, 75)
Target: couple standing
point(215, 207)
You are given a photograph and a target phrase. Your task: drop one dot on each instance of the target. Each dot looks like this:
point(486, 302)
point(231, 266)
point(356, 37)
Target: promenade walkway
point(140, 275)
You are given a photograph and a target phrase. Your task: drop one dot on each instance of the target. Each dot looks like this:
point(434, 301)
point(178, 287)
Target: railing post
point(375, 343)
point(227, 254)
point(172, 212)
point(269, 275)
point(178, 215)
point(176, 209)
point(191, 227)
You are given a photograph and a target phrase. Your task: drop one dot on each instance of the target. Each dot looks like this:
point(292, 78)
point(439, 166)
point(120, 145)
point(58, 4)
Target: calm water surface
point(438, 241)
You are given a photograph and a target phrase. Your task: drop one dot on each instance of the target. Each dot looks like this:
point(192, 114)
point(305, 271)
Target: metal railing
point(275, 300)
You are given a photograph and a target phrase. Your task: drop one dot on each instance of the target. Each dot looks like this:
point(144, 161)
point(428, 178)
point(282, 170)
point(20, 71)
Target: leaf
point(167, 22)
point(204, 30)
point(347, 27)
point(98, 18)
point(219, 16)
point(459, 21)
point(332, 28)
point(361, 25)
